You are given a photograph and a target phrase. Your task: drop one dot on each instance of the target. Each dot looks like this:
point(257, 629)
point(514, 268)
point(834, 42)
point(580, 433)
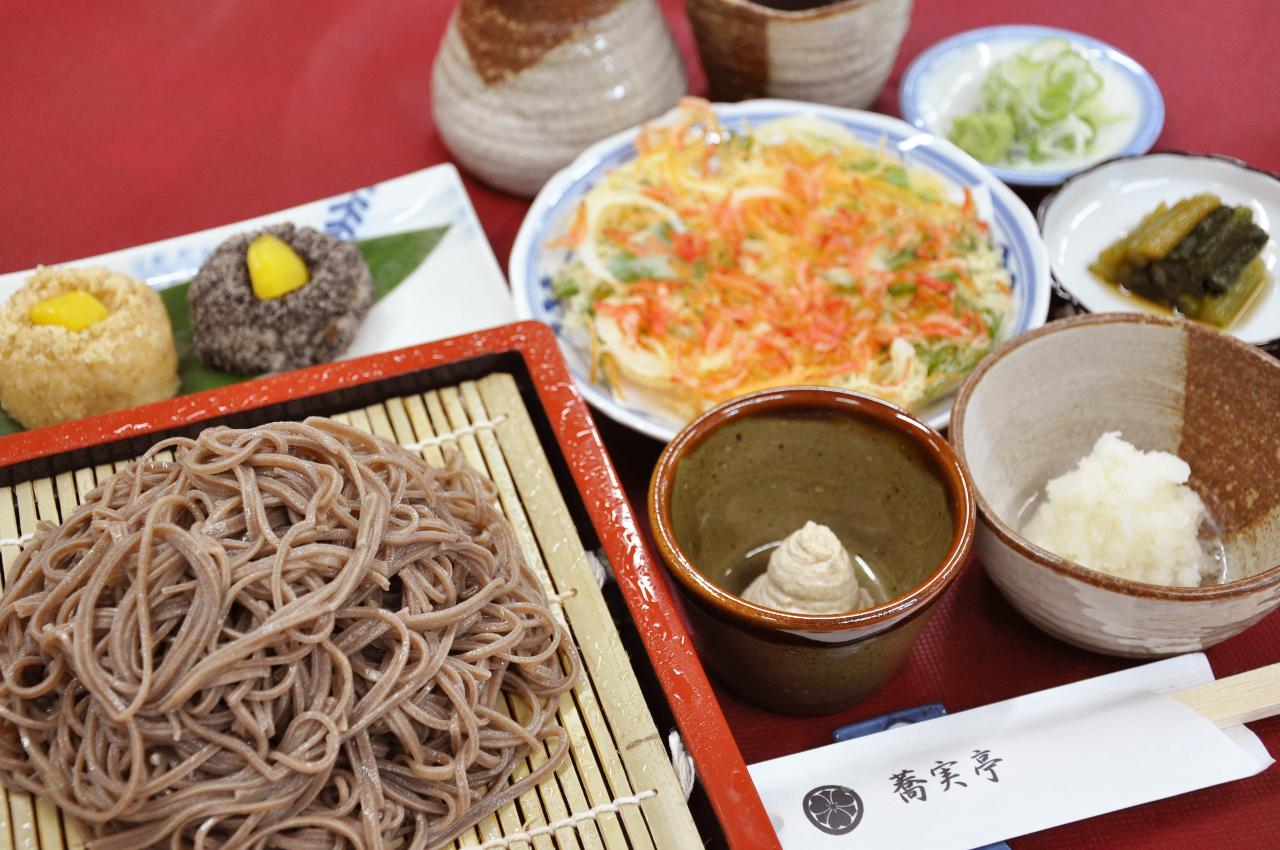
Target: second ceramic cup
point(519, 88)
point(745, 475)
point(827, 52)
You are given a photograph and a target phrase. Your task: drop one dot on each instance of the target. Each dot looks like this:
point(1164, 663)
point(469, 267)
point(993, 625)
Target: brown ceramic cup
point(838, 52)
point(1032, 409)
point(746, 474)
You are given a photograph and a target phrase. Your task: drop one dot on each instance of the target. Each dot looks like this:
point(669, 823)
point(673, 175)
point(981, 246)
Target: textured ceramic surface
point(755, 490)
point(838, 53)
point(946, 81)
point(519, 89)
point(535, 262)
point(1096, 207)
point(1167, 385)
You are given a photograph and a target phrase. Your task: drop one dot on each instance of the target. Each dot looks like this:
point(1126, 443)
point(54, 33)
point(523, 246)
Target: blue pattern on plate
point(168, 267)
point(345, 215)
point(345, 218)
point(1146, 129)
point(551, 306)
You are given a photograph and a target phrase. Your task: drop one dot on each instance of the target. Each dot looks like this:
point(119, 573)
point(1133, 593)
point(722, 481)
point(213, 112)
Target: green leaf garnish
point(8, 425)
point(391, 259)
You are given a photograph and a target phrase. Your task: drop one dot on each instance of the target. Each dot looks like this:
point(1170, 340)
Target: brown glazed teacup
point(748, 473)
point(838, 51)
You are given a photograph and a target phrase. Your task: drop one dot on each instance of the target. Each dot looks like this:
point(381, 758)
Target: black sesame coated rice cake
point(235, 331)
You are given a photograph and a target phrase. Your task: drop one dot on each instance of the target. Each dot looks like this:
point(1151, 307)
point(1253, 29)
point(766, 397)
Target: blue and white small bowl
point(946, 81)
point(534, 264)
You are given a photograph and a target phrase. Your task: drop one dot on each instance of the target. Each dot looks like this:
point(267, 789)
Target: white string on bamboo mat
point(17, 541)
point(571, 821)
point(599, 567)
point(686, 774)
point(455, 434)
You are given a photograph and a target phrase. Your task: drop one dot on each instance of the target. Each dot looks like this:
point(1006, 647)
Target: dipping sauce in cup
point(743, 477)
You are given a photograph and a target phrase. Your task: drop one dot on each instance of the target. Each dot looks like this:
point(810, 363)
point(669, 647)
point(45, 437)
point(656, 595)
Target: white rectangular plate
point(458, 288)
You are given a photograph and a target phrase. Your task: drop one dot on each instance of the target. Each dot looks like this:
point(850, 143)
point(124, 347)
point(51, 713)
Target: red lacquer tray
point(691, 700)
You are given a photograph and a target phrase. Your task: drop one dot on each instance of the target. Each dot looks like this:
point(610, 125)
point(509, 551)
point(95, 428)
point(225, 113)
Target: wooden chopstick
point(1237, 699)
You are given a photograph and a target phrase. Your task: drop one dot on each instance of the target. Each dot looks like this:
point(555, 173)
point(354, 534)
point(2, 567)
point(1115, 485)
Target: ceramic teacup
point(838, 52)
point(520, 88)
point(745, 475)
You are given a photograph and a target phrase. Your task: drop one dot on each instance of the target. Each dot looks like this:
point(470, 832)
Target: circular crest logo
point(834, 809)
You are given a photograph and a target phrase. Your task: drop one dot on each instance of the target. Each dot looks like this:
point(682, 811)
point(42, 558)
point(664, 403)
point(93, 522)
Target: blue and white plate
point(946, 81)
point(534, 264)
point(457, 289)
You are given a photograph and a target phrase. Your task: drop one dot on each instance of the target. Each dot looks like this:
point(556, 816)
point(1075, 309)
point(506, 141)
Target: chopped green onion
point(1038, 104)
point(564, 286)
point(897, 176)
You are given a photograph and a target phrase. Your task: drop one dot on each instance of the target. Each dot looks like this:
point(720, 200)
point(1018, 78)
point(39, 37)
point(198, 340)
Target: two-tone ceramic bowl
point(519, 89)
point(745, 475)
point(838, 52)
point(1032, 409)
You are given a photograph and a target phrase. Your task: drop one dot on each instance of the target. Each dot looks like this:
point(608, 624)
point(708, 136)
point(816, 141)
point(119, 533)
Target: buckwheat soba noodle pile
point(291, 636)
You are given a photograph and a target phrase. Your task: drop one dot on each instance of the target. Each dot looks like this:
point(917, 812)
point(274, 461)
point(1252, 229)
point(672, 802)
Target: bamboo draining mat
point(617, 788)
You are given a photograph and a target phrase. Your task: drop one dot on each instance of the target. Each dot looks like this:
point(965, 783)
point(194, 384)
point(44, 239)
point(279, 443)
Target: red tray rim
point(702, 722)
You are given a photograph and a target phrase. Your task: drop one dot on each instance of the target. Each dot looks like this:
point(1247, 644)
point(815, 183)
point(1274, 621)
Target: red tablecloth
point(135, 120)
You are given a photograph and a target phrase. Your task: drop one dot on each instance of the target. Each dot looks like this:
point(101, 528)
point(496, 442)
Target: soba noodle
point(295, 636)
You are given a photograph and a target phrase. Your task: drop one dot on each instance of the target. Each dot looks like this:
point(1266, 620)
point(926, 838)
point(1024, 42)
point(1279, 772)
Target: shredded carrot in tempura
point(719, 262)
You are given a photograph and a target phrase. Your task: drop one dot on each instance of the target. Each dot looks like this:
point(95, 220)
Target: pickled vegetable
point(1222, 310)
point(1162, 234)
point(1199, 257)
point(1113, 263)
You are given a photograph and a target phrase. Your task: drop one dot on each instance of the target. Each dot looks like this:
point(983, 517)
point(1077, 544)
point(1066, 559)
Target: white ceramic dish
point(946, 81)
point(1095, 208)
point(533, 264)
point(458, 288)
